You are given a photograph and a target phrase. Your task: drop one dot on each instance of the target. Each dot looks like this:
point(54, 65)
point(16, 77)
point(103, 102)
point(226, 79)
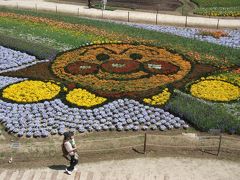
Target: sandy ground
point(166, 168)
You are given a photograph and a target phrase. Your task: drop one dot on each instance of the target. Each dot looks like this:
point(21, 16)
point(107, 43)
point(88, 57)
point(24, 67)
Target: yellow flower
point(159, 99)
point(82, 97)
point(215, 90)
point(31, 91)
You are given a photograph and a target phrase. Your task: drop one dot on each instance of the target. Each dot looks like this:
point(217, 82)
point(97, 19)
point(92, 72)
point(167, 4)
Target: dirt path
point(168, 168)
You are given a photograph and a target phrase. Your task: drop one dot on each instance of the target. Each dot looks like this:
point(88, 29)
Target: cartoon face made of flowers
point(121, 70)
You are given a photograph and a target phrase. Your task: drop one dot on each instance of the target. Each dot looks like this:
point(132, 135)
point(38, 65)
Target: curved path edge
point(123, 15)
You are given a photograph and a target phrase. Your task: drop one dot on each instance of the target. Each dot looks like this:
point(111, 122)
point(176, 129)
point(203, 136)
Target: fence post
point(78, 12)
point(56, 9)
point(145, 143)
point(36, 7)
point(128, 16)
point(17, 5)
point(219, 145)
point(186, 22)
point(157, 18)
point(218, 24)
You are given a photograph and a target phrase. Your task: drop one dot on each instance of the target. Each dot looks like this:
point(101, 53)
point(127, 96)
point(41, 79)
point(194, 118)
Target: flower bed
point(11, 60)
point(84, 98)
point(215, 90)
point(219, 11)
point(54, 117)
point(30, 91)
point(111, 78)
point(159, 99)
point(215, 34)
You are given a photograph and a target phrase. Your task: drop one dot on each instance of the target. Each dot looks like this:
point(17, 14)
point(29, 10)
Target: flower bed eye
point(135, 56)
point(30, 91)
point(102, 57)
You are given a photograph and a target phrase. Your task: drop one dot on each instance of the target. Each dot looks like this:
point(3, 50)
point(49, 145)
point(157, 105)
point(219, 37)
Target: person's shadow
point(58, 167)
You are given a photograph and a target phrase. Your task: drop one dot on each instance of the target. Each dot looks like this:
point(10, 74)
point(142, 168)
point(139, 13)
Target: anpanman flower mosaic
point(82, 97)
point(31, 91)
point(122, 69)
point(215, 90)
point(159, 99)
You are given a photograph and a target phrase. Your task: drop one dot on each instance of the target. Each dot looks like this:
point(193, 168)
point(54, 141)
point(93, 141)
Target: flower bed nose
point(121, 66)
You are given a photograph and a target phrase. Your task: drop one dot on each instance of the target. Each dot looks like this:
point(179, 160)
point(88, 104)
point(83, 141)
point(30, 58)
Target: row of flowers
point(215, 34)
point(73, 28)
point(43, 119)
point(219, 11)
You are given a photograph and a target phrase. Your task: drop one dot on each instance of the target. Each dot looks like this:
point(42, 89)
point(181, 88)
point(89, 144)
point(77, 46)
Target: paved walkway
point(123, 15)
point(135, 169)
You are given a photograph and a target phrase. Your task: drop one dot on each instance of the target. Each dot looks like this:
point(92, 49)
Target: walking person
point(70, 151)
point(104, 2)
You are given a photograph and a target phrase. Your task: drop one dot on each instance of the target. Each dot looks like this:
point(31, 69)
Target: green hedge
point(205, 115)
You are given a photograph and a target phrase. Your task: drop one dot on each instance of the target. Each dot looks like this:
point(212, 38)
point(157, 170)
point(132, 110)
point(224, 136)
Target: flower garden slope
point(222, 55)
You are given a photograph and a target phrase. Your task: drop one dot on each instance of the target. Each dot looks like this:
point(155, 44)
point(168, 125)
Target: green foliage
point(38, 50)
point(217, 3)
point(219, 11)
point(61, 39)
point(206, 115)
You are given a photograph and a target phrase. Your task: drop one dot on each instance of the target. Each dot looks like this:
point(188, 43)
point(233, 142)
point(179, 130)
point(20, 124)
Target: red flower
point(121, 66)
